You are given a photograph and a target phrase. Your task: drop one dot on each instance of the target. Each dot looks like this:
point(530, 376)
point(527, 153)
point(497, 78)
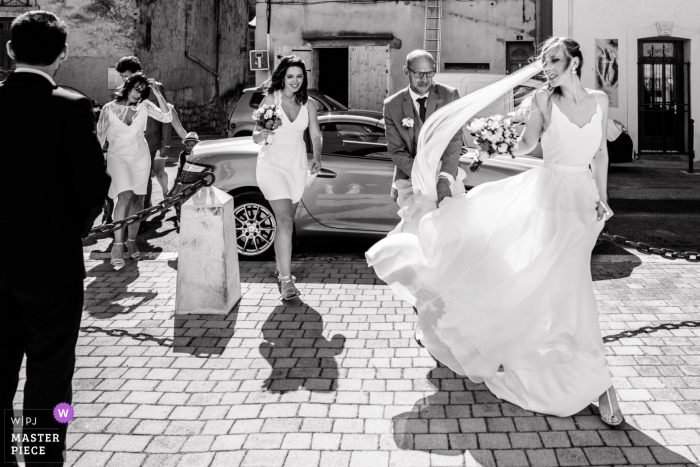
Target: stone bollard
point(208, 279)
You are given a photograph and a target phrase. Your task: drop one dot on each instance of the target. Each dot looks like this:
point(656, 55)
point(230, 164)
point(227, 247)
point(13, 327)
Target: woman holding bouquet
point(501, 275)
point(282, 167)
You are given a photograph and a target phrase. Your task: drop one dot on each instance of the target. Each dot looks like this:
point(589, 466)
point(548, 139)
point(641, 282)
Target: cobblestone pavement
point(337, 380)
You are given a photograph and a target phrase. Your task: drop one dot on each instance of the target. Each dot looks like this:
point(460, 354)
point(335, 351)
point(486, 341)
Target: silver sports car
point(349, 198)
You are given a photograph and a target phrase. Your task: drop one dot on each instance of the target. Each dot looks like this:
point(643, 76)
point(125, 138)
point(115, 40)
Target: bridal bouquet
point(268, 117)
point(495, 135)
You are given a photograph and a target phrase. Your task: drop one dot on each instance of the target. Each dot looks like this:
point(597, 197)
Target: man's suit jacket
point(54, 183)
point(157, 133)
point(402, 142)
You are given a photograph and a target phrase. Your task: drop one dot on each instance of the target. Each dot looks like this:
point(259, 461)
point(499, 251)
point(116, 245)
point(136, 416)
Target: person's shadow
point(300, 356)
point(465, 418)
point(108, 294)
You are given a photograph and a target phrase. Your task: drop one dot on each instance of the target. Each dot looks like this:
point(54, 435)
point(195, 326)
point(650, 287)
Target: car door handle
point(325, 173)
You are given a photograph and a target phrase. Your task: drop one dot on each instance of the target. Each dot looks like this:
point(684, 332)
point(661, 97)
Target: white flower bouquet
point(495, 135)
point(268, 117)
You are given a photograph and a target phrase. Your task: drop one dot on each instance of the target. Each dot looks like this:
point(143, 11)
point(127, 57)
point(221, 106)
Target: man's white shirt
point(37, 72)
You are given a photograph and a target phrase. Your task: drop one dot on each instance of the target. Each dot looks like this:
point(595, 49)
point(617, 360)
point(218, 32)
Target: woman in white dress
point(122, 123)
point(501, 275)
point(282, 167)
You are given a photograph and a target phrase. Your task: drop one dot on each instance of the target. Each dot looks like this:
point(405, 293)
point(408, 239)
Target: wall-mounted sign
point(259, 60)
point(607, 70)
point(664, 28)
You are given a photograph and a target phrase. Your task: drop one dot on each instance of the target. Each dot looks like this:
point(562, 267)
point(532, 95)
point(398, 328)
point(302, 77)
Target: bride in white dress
point(500, 276)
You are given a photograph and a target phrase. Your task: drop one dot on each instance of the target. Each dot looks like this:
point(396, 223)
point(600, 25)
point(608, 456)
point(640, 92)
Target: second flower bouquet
point(268, 117)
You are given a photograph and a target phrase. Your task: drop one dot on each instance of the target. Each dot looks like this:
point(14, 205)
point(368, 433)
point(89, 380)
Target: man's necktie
point(421, 103)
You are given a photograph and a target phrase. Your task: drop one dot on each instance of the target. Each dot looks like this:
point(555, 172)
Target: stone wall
point(177, 44)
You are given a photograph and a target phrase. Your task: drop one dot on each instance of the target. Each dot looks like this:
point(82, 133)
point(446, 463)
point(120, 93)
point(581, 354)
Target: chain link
point(692, 256)
point(206, 180)
point(650, 329)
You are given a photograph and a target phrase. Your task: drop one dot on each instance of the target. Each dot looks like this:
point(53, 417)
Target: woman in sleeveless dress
point(501, 275)
point(122, 123)
point(282, 167)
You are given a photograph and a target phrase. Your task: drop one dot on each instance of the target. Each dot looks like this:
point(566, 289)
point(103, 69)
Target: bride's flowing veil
point(447, 121)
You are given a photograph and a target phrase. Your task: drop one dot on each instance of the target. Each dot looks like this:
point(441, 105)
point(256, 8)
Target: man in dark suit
point(51, 150)
point(404, 114)
point(158, 134)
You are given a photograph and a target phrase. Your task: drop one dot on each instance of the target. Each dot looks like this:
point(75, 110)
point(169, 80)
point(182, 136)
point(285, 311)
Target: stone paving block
point(93, 459)
point(121, 459)
point(228, 459)
point(605, 456)
point(196, 460)
point(572, 457)
point(127, 443)
point(335, 459)
point(542, 457)
point(264, 458)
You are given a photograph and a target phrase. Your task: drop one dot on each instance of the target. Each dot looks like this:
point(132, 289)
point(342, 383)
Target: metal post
point(269, 40)
point(691, 144)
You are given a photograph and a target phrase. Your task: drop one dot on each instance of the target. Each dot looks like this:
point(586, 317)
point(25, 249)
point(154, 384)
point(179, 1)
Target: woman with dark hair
point(500, 276)
point(122, 123)
point(282, 167)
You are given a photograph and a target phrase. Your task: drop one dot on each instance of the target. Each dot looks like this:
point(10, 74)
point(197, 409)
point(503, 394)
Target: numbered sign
point(259, 60)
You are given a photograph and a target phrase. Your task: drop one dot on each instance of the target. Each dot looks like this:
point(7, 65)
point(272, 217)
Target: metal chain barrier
point(650, 329)
point(207, 179)
point(692, 256)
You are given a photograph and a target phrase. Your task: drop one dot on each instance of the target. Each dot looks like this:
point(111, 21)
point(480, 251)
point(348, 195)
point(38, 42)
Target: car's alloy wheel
point(255, 225)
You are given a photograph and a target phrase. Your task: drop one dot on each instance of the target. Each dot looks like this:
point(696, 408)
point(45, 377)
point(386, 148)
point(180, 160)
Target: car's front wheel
point(255, 226)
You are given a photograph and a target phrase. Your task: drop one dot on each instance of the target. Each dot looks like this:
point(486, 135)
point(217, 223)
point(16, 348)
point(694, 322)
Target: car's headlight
point(193, 172)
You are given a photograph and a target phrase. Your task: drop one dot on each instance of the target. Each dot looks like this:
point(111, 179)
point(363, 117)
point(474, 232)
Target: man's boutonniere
point(407, 122)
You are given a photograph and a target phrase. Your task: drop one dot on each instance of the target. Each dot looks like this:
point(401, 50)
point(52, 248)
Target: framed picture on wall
point(606, 69)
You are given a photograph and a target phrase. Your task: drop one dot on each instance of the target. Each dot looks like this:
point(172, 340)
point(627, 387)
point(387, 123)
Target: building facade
point(196, 48)
point(640, 52)
point(356, 50)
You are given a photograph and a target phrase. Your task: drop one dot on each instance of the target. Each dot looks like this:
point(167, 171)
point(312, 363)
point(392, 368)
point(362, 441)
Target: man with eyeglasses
point(404, 115)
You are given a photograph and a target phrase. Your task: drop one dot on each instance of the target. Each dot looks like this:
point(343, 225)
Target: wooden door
point(306, 53)
point(368, 77)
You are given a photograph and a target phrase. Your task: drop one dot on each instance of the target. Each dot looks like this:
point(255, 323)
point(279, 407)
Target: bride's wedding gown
point(501, 276)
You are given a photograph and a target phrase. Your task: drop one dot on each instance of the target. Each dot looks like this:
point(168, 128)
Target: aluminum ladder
point(433, 22)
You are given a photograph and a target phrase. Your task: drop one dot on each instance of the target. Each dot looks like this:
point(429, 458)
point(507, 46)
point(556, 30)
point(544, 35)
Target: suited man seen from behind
point(404, 114)
point(54, 149)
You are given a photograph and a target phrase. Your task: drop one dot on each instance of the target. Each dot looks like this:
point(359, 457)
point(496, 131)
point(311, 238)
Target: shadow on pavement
point(300, 356)
point(203, 335)
point(108, 295)
point(464, 419)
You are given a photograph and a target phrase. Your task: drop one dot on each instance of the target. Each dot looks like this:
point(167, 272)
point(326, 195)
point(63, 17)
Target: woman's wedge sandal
point(137, 254)
point(117, 262)
point(287, 287)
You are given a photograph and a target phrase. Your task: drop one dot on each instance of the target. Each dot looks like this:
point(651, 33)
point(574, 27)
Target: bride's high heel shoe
point(612, 417)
